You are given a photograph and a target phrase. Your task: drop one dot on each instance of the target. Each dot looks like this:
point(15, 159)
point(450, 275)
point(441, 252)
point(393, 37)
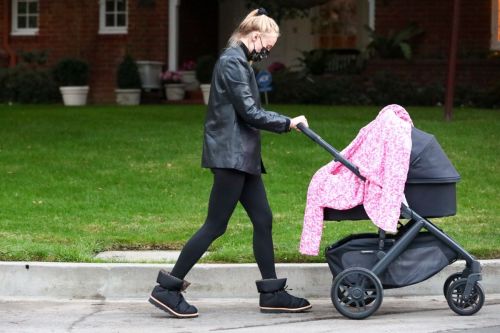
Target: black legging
point(231, 186)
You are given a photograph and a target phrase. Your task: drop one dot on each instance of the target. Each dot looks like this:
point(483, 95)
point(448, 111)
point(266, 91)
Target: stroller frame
point(460, 289)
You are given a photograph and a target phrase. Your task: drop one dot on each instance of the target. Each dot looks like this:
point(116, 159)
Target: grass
point(77, 181)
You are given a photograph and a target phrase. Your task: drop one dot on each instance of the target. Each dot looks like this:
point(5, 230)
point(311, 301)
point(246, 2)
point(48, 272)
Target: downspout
point(173, 33)
point(10, 53)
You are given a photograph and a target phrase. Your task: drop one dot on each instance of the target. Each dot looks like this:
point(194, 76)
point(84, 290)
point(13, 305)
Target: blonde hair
point(253, 22)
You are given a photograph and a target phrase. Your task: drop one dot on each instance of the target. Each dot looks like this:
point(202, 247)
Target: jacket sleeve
point(235, 76)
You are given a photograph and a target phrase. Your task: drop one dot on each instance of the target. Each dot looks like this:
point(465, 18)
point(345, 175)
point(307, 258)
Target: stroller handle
point(337, 156)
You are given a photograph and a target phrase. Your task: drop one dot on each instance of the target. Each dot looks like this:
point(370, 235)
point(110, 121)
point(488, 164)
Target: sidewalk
point(421, 314)
point(135, 281)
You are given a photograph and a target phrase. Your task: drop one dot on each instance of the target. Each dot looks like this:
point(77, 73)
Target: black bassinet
point(430, 186)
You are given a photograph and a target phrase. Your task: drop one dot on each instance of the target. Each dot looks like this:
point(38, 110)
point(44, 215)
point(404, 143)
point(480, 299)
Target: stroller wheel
point(357, 293)
point(461, 305)
point(452, 278)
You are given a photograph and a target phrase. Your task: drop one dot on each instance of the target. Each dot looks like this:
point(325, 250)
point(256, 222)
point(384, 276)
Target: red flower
point(188, 65)
point(170, 77)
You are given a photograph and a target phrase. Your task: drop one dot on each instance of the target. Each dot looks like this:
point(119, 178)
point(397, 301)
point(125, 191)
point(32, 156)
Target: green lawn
point(76, 181)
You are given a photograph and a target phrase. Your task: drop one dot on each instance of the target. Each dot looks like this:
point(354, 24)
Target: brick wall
point(70, 28)
point(3, 24)
point(435, 18)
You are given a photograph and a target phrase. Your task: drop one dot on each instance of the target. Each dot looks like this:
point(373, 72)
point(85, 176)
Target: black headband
point(261, 11)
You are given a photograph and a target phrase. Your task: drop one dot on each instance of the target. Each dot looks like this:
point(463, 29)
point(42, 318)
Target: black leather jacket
point(235, 116)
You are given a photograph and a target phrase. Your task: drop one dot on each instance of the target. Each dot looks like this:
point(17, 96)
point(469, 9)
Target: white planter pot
point(189, 79)
point(205, 89)
point(128, 96)
point(174, 91)
point(149, 72)
point(74, 96)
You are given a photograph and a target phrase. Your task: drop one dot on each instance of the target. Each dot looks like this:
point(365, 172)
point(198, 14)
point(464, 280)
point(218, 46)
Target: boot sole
point(284, 310)
point(165, 308)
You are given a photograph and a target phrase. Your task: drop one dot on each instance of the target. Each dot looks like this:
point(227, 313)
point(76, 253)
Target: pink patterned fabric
point(381, 151)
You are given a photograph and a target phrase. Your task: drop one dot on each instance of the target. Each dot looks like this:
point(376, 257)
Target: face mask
point(262, 54)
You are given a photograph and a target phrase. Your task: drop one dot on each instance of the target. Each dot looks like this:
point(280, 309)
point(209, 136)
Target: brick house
point(478, 39)
point(102, 31)
point(172, 31)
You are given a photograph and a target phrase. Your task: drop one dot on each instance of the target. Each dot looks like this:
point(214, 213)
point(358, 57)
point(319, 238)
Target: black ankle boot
point(274, 298)
point(167, 296)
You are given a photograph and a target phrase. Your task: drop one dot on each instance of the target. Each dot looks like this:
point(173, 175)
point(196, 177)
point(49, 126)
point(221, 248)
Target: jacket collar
point(236, 51)
point(246, 52)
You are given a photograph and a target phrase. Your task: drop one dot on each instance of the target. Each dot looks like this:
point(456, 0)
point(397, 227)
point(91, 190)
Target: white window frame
point(103, 29)
point(15, 31)
point(495, 25)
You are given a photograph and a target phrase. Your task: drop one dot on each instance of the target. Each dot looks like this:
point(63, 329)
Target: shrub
point(380, 89)
point(339, 61)
point(344, 90)
point(296, 87)
point(3, 85)
point(386, 88)
point(395, 44)
point(429, 95)
point(204, 68)
point(34, 58)
point(299, 88)
point(473, 96)
point(127, 76)
point(293, 88)
point(71, 72)
point(347, 89)
point(315, 61)
point(489, 98)
point(22, 84)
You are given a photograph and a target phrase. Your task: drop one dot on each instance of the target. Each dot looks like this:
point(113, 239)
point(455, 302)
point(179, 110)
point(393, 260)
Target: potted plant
point(71, 75)
point(189, 75)
point(204, 69)
point(174, 88)
point(128, 82)
point(150, 74)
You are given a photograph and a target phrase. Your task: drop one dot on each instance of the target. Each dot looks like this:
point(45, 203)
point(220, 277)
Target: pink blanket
point(381, 151)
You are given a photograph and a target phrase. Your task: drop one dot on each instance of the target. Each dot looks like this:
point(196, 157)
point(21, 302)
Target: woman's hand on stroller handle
point(294, 122)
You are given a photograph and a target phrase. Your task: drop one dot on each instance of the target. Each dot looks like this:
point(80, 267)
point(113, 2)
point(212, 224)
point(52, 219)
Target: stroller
point(364, 264)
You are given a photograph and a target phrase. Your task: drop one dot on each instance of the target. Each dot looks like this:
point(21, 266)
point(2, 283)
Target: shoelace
point(285, 289)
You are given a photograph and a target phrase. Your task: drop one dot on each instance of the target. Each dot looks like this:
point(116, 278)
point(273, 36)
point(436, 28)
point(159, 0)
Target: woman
point(231, 149)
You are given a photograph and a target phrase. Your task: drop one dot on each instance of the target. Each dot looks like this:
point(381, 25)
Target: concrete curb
point(120, 281)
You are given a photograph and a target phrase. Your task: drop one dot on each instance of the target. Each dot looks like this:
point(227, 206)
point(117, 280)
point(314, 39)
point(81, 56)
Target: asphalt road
point(412, 314)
